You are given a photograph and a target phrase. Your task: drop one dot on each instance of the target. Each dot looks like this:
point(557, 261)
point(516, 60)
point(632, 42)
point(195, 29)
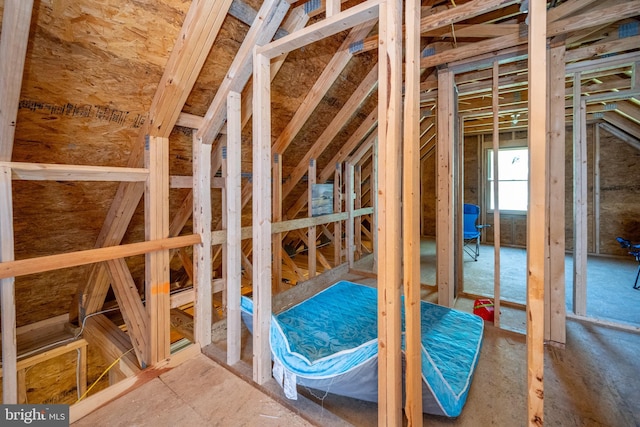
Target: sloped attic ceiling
point(92, 69)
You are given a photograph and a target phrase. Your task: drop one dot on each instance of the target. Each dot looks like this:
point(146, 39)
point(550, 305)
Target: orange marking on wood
point(162, 289)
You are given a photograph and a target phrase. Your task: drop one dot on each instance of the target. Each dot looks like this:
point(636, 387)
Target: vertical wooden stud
point(357, 227)
point(261, 218)
point(596, 189)
point(332, 7)
point(411, 216)
point(580, 230)
point(277, 217)
point(157, 263)
point(496, 194)
point(389, 227)
point(538, 211)
point(312, 230)
point(16, 19)
point(374, 193)
point(202, 252)
point(7, 292)
point(349, 228)
point(337, 207)
point(233, 194)
point(82, 370)
point(445, 242)
point(555, 325)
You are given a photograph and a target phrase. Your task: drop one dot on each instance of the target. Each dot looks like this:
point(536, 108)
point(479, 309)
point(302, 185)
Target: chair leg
point(635, 285)
point(477, 249)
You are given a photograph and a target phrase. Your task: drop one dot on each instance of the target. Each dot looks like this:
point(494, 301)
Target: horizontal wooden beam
point(185, 181)
point(56, 172)
point(23, 267)
point(364, 12)
point(461, 13)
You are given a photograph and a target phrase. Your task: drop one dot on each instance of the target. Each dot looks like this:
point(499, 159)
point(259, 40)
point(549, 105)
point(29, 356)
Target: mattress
point(329, 343)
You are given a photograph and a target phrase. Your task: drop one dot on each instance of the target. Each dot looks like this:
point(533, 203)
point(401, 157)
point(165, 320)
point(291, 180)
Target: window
point(513, 174)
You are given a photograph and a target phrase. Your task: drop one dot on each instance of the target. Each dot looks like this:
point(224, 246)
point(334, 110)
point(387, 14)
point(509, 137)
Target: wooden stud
point(82, 369)
point(461, 13)
point(277, 217)
point(233, 196)
point(445, 242)
point(556, 318)
point(389, 192)
point(332, 7)
point(374, 191)
point(202, 252)
point(357, 204)
point(312, 230)
point(7, 291)
point(261, 217)
point(580, 228)
point(495, 97)
point(411, 217)
point(22, 386)
point(337, 208)
point(157, 263)
point(16, 19)
point(349, 227)
point(538, 211)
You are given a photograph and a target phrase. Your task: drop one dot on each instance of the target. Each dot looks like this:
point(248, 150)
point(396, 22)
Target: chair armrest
point(481, 226)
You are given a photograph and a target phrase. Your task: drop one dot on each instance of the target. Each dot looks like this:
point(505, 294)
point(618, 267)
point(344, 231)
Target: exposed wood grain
point(233, 195)
point(537, 213)
point(411, 216)
point(55, 172)
point(360, 14)
point(390, 214)
point(72, 259)
point(261, 218)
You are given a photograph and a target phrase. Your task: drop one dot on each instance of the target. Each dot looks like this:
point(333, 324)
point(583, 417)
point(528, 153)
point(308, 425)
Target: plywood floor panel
point(197, 393)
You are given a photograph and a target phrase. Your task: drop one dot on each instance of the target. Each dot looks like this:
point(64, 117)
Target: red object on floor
point(484, 309)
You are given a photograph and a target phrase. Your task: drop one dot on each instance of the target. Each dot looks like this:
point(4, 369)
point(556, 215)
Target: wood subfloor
point(197, 393)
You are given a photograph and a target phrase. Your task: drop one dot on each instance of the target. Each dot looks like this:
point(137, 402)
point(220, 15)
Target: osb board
point(428, 196)
point(472, 170)
point(619, 190)
point(54, 381)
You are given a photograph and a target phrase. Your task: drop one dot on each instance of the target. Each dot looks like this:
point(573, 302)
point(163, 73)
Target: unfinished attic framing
point(133, 137)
